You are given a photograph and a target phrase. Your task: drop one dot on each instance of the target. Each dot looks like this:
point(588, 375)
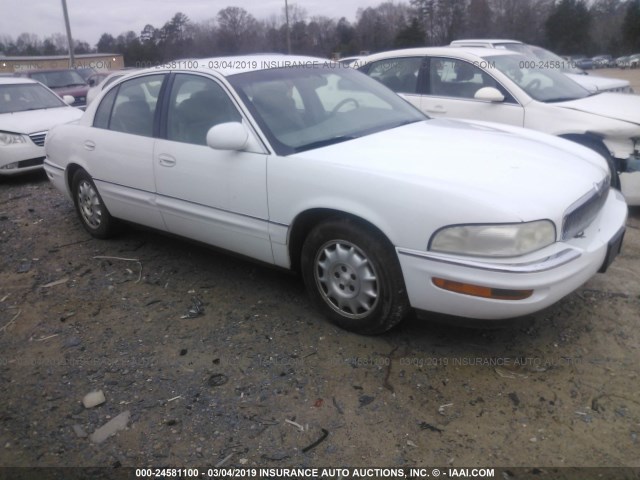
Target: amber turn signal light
point(480, 291)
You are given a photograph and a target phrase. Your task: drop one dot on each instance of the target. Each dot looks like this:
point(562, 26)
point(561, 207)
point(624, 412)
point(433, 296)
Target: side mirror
point(228, 136)
point(68, 99)
point(489, 94)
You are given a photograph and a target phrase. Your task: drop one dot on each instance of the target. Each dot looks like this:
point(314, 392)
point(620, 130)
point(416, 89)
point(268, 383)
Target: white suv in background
point(549, 59)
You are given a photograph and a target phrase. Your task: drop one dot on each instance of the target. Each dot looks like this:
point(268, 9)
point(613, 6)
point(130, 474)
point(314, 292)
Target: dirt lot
point(259, 376)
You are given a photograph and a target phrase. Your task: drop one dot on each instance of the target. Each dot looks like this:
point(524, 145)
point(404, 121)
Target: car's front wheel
point(353, 276)
point(92, 211)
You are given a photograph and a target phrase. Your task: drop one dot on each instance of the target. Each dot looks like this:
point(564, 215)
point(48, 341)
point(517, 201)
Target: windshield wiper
point(561, 99)
point(324, 143)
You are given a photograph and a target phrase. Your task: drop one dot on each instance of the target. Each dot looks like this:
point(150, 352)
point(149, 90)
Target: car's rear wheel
point(353, 276)
point(92, 211)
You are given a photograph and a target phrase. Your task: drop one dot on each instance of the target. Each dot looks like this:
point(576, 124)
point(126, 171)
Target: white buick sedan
point(28, 110)
point(506, 87)
point(311, 166)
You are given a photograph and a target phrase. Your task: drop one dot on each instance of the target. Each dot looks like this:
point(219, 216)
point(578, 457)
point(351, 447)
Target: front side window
point(451, 77)
point(399, 74)
point(135, 105)
point(455, 78)
point(196, 104)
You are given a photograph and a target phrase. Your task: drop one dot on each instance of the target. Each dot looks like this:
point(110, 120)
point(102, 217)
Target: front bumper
point(551, 273)
point(24, 157)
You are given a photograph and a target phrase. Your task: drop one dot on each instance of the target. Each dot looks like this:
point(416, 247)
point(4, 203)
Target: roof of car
point(469, 52)
point(239, 64)
point(16, 80)
point(484, 40)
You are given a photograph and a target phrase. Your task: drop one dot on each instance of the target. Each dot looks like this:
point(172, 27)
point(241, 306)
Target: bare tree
point(479, 19)
point(606, 23)
point(237, 30)
point(378, 27)
point(322, 33)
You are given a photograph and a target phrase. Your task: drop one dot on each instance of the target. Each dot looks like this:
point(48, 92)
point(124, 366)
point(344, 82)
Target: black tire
point(91, 210)
point(598, 146)
point(353, 276)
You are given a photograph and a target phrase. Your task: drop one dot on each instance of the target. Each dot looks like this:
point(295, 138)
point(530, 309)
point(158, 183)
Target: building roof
point(23, 58)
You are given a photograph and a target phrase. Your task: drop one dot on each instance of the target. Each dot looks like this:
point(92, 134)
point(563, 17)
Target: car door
point(118, 149)
point(450, 88)
point(403, 75)
point(215, 196)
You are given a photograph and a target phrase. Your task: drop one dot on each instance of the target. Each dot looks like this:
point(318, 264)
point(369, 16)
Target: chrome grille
point(581, 213)
point(38, 138)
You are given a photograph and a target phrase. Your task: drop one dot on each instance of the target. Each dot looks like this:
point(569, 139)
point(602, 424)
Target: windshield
point(549, 59)
point(301, 108)
point(542, 84)
point(60, 79)
point(27, 96)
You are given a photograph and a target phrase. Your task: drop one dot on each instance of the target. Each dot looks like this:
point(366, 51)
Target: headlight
point(506, 240)
point(7, 138)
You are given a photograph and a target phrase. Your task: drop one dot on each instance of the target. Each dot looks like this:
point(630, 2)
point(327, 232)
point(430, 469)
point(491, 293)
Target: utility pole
point(286, 13)
point(69, 39)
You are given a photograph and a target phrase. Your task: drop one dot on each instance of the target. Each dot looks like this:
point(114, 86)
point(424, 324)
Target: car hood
point(617, 106)
point(37, 120)
point(597, 84)
point(510, 170)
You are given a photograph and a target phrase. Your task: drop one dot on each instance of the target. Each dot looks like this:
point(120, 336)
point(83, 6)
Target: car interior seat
point(277, 108)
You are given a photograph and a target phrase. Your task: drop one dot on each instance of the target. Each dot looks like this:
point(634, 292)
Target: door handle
point(89, 145)
point(166, 160)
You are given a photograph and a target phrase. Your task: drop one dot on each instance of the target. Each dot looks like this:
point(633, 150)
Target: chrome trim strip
point(48, 163)
point(542, 265)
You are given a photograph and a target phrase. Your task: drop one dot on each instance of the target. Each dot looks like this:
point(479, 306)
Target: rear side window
point(135, 105)
point(103, 113)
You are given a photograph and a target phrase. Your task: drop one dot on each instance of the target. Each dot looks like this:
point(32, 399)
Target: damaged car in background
point(301, 164)
point(495, 85)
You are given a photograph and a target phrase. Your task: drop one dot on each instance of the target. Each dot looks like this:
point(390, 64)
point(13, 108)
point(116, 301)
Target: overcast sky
point(91, 18)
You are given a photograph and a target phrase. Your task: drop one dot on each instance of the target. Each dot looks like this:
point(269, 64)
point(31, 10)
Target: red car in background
point(63, 82)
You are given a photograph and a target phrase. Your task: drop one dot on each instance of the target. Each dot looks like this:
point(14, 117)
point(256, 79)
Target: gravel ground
point(218, 360)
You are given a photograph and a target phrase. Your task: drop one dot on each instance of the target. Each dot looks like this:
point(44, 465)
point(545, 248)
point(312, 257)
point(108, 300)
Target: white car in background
point(28, 110)
point(298, 163)
point(550, 60)
point(353, 62)
point(498, 85)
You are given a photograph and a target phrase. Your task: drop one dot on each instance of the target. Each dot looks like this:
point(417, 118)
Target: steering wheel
point(534, 84)
point(342, 103)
